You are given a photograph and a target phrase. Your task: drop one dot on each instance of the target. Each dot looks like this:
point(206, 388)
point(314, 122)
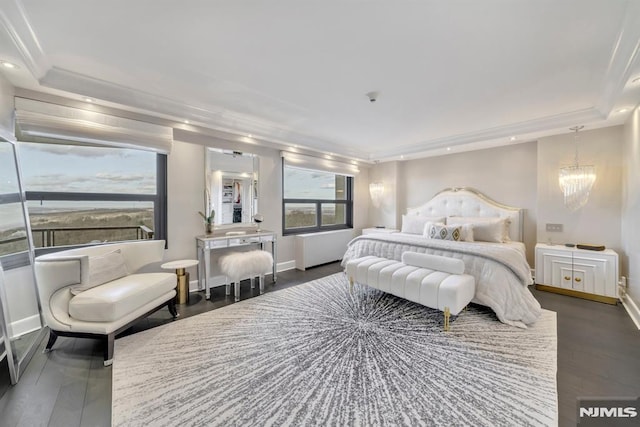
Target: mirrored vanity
point(21, 326)
point(231, 189)
point(231, 186)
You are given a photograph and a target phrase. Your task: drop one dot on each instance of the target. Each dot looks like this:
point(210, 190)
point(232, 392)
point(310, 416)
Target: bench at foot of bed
point(433, 281)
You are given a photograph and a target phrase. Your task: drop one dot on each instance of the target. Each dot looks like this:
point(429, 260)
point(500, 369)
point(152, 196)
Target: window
point(14, 238)
point(79, 194)
point(316, 200)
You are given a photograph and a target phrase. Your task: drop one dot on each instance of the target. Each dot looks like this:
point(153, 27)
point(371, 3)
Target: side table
point(182, 287)
point(373, 230)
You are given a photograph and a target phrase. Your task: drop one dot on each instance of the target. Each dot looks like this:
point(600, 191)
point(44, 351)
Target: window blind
point(38, 121)
point(316, 163)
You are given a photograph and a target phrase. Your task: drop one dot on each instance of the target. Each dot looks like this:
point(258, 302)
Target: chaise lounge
point(95, 292)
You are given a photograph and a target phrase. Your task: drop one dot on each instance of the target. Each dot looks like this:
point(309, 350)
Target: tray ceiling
point(449, 74)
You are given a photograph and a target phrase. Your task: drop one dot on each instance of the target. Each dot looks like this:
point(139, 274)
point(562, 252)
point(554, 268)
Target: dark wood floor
point(598, 355)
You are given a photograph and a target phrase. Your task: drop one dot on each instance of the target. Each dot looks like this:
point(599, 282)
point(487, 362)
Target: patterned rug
point(316, 354)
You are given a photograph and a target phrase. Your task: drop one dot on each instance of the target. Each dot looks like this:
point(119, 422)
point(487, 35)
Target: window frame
point(159, 203)
point(348, 202)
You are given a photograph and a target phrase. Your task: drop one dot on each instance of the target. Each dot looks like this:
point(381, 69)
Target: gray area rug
point(316, 354)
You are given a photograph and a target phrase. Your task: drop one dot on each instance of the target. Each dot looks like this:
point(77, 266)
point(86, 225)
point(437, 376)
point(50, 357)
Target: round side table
point(182, 287)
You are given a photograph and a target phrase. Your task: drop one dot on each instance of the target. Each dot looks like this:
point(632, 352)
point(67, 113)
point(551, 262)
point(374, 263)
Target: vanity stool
point(245, 265)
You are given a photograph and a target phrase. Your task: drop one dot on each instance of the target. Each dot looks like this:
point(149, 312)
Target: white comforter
point(501, 271)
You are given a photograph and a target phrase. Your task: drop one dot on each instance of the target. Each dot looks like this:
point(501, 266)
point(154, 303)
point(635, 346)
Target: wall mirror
point(231, 186)
point(20, 320)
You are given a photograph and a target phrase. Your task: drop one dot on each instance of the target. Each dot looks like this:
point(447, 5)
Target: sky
point(51, 167)
point(308, 184)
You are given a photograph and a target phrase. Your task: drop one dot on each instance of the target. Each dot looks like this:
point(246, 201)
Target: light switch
point(557, 228)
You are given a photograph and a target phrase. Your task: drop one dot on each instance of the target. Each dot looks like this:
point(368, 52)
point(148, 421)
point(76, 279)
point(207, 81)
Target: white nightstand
point(373, 230)
point(577, 272)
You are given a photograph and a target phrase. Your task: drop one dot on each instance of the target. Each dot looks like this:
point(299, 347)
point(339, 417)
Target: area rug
point(319, 354)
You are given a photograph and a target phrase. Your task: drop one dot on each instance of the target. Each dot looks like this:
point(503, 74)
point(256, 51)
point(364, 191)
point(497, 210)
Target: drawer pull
point(567, 278)
point(578, 279)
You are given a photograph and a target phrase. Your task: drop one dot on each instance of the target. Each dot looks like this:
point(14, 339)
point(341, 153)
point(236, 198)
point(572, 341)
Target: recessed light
point(295, 146)
point(7, 64)
point(448, 148)
point(88, 99)
point(401, 156)
point(513, 138)
point(186, 122)
point(622, 110)
point(249, 135)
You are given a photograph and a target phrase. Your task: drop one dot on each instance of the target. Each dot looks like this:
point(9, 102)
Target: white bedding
point(501, 270)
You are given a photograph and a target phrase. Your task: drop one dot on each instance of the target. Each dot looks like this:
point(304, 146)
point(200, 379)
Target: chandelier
point(576, 180)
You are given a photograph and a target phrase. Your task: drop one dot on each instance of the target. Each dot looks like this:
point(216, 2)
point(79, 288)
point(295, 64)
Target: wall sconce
point(576, 180)
point(376, 189)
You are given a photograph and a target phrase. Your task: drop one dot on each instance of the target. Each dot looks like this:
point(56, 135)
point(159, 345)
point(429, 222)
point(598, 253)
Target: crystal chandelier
point(576, 180)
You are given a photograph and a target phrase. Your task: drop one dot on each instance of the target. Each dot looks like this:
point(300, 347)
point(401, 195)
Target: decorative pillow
point(102, 269)
point(485, 229)
point(466, 232)
point(414, 224)
point(444, 232)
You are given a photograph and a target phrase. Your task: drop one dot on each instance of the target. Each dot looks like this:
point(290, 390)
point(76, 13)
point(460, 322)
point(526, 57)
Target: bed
point(489, 241)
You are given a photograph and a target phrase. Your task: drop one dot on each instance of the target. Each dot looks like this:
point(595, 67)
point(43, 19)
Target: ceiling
point(450, 75)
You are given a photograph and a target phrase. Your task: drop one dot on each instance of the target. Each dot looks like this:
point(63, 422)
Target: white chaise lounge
point(433, 281)
point(95, 292)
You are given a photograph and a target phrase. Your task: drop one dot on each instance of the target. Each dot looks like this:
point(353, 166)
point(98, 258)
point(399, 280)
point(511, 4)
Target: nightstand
point(577, 272)
point(373, 230)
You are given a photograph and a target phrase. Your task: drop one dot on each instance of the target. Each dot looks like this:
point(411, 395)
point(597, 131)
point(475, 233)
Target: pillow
point(102, 269)
point(444, 232)
point(466, 232)
point(434, 262)
point(483, 227)
point(414, 224)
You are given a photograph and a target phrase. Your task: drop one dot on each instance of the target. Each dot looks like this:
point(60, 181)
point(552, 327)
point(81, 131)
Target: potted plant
point(209, 214)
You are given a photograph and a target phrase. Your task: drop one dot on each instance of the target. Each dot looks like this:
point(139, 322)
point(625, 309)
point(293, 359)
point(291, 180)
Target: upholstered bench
point(245, 265)
point(433, 281)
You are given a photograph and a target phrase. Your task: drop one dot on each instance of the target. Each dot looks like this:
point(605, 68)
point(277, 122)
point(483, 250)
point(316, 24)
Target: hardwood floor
point(598, 355)
point(598, 352)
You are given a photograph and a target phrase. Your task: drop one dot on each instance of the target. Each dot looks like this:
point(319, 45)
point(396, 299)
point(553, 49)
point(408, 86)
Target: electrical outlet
point(556, 228)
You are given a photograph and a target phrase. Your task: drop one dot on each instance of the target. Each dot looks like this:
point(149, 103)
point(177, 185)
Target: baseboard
point(632, 308)
point(287, 265)
point(26, 325)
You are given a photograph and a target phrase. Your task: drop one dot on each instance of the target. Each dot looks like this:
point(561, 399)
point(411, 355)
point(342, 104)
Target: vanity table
point(225, 239)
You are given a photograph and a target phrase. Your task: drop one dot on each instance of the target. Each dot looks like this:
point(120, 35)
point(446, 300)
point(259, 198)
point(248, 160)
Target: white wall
point(599, 221)
point(631, 205)
point(185, 197)
point(7, 91)
point(506, 174)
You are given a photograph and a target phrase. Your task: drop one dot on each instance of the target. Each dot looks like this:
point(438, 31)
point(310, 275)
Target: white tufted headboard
point(468, 202)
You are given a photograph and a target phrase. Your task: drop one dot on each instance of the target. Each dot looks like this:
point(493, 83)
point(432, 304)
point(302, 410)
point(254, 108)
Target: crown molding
point(14, 19)
point(624, 58)
point(500, 132)
point(213, 117)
